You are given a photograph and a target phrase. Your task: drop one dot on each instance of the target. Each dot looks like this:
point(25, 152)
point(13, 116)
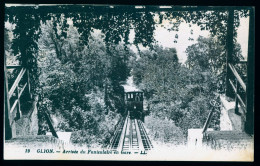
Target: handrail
point(20, 93)
point(13, 66)
point(15, 84)
point(14, 110)
point(14, 105)
point(238, 96)
point(242, 61)
point(241, 82)
point(215, 105)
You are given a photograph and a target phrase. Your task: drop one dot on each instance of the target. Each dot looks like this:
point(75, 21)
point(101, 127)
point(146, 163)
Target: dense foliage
point(166, 132)
point(182, 93)
point(210, 55)
point(80, 86)
point(114, 23)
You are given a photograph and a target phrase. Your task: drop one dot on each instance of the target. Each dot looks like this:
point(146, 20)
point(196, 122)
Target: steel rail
point(144, 136)
point(134, 137)
point(121, 141)
point(140, 142)
point(116, 138)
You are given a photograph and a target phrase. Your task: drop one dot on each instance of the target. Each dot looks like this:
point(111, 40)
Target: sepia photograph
point(128, 82)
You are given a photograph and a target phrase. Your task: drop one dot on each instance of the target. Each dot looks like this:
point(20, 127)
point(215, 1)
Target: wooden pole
point(249, 124)
point(7, 127)
point(206, 125)
point(229, 48)
point(19, 113)
point(28, 83)
point(48, 119)
point(236, 99)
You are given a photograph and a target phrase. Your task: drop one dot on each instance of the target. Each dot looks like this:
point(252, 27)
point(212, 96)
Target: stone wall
point(228, 140)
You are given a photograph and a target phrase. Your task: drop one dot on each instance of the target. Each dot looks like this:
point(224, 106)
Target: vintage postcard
point(128, 82)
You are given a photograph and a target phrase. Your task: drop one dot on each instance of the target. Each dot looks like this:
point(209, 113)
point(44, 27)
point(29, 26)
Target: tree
point(73, 84)
point(154, 71)
point(53, 40)
point(115, 26)
point(174, 91)
point(210, 55)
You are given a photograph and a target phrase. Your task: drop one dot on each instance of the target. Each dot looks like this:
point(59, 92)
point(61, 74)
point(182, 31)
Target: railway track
point(145, 139)
point(116, 138)
point(130, 135)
